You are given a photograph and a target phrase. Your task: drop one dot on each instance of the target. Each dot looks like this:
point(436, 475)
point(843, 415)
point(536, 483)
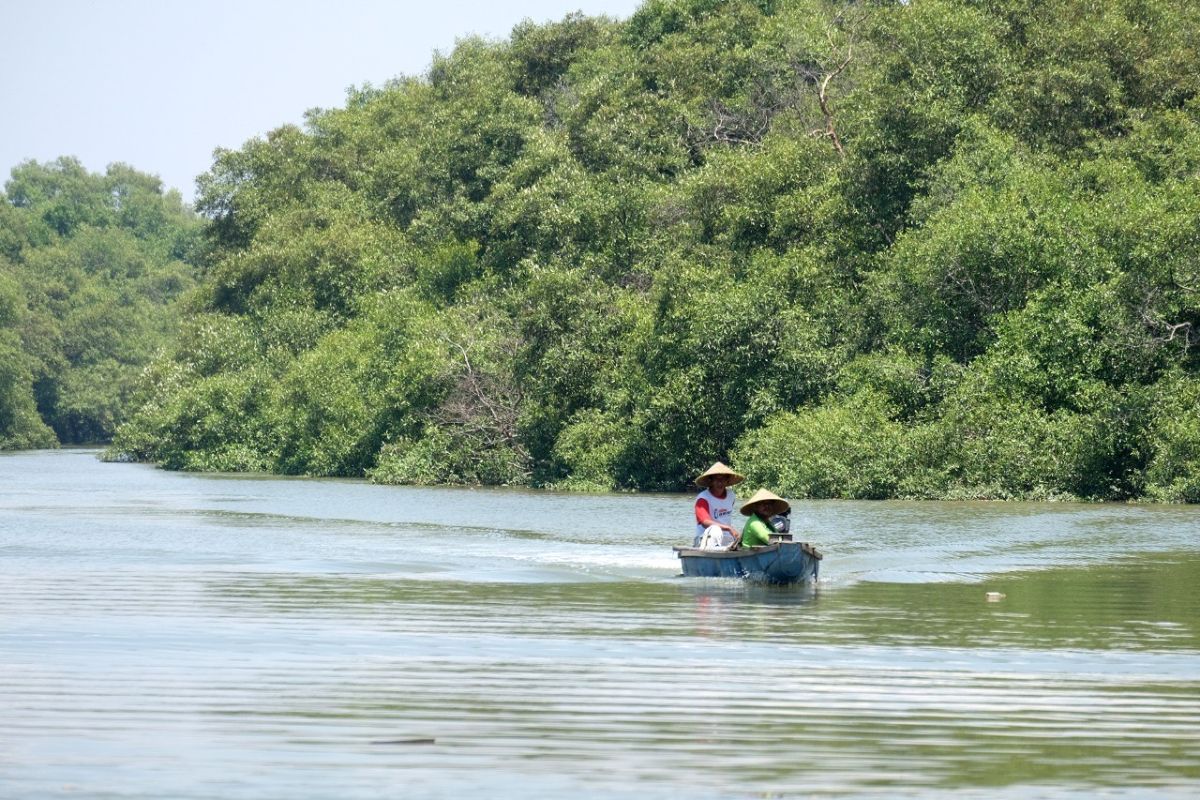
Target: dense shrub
point(850, 449)
point(91, 269)
point(937, 249)
point(1173, 472)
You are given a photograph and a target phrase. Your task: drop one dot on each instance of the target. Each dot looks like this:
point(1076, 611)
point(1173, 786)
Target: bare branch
point(484, 405)
point(850, 25)
point(823, 99)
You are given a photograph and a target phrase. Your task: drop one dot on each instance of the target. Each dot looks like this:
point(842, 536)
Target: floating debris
point(995, 597)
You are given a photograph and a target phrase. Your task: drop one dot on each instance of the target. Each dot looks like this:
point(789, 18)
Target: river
point(170, 635)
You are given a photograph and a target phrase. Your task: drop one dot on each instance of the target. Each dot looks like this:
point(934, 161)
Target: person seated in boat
point(760, 508)
point(714, 508)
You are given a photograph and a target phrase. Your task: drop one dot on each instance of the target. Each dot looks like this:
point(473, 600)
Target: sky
point(159, 84)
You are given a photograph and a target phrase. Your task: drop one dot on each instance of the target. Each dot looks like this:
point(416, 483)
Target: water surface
point(191, 636)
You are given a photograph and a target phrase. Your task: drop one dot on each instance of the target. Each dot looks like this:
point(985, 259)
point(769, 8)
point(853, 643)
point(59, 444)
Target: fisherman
point(714, 508)
point(760, 508)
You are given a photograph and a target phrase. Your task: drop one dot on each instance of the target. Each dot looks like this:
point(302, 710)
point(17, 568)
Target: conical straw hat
point(765, 504)
point(719, 469)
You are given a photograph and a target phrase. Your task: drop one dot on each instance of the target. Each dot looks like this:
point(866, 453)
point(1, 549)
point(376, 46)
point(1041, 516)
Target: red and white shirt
point(718, 509)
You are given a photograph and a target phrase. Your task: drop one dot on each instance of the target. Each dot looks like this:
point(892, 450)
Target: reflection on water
point(166, 635)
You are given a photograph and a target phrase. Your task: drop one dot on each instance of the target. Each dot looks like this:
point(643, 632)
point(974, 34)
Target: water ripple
point(201, 637)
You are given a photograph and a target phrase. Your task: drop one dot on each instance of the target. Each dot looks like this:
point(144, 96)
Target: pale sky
point(158, 84)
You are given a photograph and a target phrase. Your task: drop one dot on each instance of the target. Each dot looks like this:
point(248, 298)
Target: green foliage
point(98, 262)
point(1173, 472)
point(589, 449)
point(325, 255)
point(445, 456)
point(448, 267)
point(936, 249)
point(544, 53)
point(852, 449)
point(339, 402)
point(988, 447)
point(209, 423)
point(907, 383)
point(243, 186)
point(19, 424)
point(20, 427)
point(461, 403)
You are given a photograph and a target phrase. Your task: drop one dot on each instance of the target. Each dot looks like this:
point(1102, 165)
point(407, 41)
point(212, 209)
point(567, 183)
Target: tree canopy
point(947, 248)
point(90, 269)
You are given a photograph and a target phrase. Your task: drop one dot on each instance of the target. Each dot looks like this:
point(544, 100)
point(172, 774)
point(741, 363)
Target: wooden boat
point(781, 561)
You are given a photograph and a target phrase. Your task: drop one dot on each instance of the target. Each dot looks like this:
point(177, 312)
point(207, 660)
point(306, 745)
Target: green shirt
point(757, 532)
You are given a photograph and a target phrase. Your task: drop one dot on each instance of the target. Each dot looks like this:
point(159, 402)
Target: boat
point(780, 561)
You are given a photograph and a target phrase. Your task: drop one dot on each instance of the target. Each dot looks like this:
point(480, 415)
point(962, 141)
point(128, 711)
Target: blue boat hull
point(779, 562)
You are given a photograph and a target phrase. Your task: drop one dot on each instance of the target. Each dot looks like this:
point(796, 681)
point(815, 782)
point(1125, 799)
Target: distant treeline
point(938, 249)
point(90, 269)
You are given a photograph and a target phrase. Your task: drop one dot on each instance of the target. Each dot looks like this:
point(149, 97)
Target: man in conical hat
point(714, 508)
point(761, 506)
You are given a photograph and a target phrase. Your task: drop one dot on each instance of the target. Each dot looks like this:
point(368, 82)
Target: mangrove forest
point(935, 249)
